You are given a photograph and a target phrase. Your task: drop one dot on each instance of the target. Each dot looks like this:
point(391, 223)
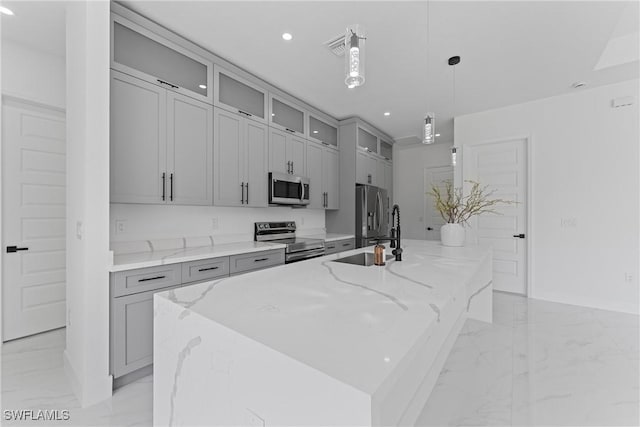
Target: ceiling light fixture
point(6, 11)
point(387, 113)
point(287, 36)
point(453, 61)
point(354, 59)
point(429, 123)
point(202, 86)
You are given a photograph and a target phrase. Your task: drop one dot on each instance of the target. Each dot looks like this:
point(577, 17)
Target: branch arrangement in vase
point(456, 208)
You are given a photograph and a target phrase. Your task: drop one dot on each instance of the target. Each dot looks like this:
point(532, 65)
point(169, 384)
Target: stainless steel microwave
point(285, 189)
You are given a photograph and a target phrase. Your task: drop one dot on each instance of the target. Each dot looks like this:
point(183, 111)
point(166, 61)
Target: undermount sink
point(364, 259)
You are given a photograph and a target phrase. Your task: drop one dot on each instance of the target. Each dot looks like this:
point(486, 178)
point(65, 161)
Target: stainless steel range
point(298, 248)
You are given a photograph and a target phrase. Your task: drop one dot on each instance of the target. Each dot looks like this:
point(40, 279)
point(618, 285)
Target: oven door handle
point(297, 256)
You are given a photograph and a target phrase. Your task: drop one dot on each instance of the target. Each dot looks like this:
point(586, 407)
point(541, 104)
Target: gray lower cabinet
point(132, 332)
point(131, 323)
point(339, 246)
point(255, 261)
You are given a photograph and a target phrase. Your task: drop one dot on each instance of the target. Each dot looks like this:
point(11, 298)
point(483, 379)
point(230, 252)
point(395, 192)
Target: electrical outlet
point(302, 221)
point(121, 226)
point(628, 277)
point(253, 419)
point(79, 230)
point(571, 222)
point(214, 223)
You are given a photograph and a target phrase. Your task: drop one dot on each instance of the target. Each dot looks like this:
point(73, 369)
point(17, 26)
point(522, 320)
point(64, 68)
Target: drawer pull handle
point(208, 268)
point(245, 113)
point(331, 247)
point(346, 244)
point(260, 259)
point(146, 279)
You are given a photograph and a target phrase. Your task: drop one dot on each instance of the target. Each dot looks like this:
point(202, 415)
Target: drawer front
point(330, 248)
point(205, 269)
point(345, 245)
point(256, 261)
point(146, 279)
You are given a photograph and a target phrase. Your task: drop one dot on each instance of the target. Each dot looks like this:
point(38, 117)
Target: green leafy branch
point(454, 207)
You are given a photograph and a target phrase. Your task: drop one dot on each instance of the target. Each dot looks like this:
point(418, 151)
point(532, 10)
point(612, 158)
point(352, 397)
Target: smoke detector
point(336, 45)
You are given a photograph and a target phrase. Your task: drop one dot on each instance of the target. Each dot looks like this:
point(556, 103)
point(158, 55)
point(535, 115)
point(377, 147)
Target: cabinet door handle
point(146, 279)
point(242, 190)
point(208, 268)
point(164, 185)
point(289, 167)
point(247, 187)
point(171, 182)
point(292, 170)
point(290, 130)
point(519, 236)
point(245, 113)
point(11, 249)
point(168, 84)
point(260, 259)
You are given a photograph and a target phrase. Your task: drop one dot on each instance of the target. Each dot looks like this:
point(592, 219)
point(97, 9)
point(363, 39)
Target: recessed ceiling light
point(6, 10)
point(437, 134)
point(203, 86)
point(315, 131)
point(578, 85)
point(387, 113)
point(287, 36)
point(351, 86)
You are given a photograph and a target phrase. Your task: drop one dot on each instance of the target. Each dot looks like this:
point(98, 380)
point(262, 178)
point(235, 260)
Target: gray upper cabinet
point(189, 144)
point(146, 55)
point(238, 95)
point(314, 173)
point(367, 141)
point(241, 156)
point(331, 177)
point(287, 153)
point(320, 131)
point(138, 146)
point(286, 115)
point(386, 150)
point(161, 145)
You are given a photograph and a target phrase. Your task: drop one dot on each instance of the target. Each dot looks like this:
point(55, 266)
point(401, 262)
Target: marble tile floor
point(538, 364)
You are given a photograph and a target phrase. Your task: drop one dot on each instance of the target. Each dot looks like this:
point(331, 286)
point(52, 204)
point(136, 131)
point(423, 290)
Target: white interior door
point(432, 219)
point(503, 167)
point(33, 219)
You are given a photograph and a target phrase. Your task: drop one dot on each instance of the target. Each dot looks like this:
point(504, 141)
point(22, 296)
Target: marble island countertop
point(353, 323)
point(129, 261)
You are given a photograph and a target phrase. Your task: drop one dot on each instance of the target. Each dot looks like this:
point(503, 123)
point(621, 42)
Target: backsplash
point(135, 222)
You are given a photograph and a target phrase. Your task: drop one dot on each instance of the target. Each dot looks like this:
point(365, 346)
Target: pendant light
point(354, 56)
point(429, 123)
point(453, 61)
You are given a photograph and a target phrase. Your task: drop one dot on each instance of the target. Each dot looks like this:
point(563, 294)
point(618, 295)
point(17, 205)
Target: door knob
point(11, 249)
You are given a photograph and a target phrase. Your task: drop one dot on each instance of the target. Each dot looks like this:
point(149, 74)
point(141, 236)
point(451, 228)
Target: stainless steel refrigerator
point(372, 214)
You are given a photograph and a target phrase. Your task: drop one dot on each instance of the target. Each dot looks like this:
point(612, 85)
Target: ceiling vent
point(336, 45)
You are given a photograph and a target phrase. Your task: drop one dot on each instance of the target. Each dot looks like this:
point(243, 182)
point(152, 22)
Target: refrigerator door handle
point(378, 213)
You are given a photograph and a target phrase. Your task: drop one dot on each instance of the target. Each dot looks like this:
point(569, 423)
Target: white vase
point(452, 234)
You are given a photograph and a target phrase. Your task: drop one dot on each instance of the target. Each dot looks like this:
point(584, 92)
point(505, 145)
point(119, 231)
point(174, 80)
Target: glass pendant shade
point(429, 129)
point(354, 56)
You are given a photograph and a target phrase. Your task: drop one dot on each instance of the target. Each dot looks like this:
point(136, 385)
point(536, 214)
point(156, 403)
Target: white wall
point(143, 222)
point(409, 163)
point(33, 75)
point(584, 166)
point(86, 356)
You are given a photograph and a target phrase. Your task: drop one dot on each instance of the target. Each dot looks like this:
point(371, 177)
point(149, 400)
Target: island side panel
point(411, 382)
point(479, 303)
point(207, 374)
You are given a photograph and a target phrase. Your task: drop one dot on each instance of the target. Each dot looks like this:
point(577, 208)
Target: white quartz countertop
point(331, 237)
point(351, 322)
point(153, 258)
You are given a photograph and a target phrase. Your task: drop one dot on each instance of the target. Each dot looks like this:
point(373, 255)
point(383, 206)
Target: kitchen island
point(317, 342)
